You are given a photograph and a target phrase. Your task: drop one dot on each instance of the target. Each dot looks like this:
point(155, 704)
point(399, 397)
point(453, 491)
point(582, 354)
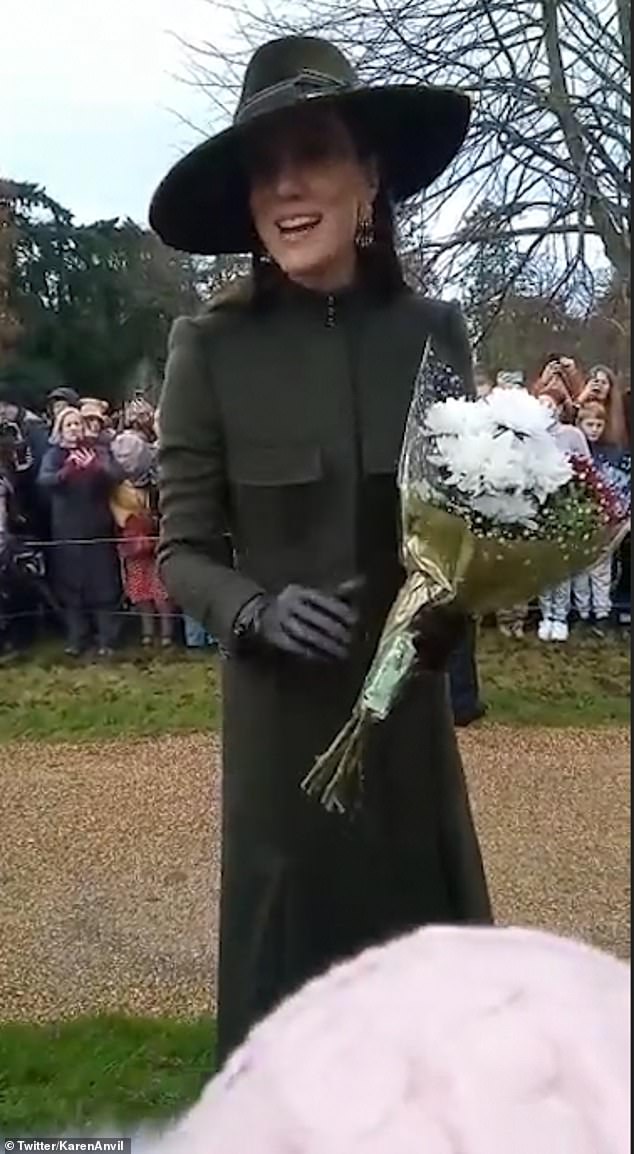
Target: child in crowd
point(79, 475)
point(592, 589)
point(134, 507)
point(612, 462)
point(554, 604)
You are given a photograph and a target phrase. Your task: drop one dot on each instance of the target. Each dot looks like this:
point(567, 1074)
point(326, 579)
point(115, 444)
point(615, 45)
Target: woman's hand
point(588, 393)
point(82, 458)
point(302, 622)
point(549, 373)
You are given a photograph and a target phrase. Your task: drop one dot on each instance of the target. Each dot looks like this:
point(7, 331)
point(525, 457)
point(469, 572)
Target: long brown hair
point(614, 404)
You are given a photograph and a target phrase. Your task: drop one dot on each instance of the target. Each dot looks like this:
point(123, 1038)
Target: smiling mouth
point(297, 226)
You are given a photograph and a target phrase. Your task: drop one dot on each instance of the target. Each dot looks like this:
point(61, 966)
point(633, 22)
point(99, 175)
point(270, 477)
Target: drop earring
point(365, 229)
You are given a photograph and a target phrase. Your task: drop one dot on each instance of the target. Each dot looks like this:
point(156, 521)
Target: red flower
point(603, 495)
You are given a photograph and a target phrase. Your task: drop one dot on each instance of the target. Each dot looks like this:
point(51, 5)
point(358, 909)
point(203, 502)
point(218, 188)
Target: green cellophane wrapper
point(447, 564)
point(481, 575)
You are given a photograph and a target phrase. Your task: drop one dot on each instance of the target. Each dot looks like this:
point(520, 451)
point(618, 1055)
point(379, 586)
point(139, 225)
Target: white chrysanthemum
point(547, 468)
point(504, 467)
point(456, 416)
point(516, 409)
point(504, 451)
point(507, 508)
point(464, 458)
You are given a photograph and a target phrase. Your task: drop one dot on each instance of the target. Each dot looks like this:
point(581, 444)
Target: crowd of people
point(79, 513)
point(79, 524)
point(591, 421)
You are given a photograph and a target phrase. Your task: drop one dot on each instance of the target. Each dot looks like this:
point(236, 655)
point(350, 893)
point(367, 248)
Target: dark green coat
point(283, 429)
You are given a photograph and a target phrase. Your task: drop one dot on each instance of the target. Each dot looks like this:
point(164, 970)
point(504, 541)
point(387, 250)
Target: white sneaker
point(545, 630)
point(560, 631)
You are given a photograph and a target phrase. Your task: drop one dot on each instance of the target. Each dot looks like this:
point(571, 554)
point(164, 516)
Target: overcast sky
point(91, 92)
point(88, 90)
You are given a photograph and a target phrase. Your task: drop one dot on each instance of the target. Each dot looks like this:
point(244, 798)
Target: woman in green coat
point(281, 423)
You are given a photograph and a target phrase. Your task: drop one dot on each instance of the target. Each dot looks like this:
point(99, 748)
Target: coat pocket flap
point(258, 463)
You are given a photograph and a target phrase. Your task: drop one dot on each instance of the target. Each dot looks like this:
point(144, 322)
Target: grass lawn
point(99, 1072)
point(581, 683)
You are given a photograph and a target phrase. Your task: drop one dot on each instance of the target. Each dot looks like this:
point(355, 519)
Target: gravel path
point(109, 878)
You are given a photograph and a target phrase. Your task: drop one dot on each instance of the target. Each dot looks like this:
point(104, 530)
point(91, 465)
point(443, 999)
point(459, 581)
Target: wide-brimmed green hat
point(201, 206)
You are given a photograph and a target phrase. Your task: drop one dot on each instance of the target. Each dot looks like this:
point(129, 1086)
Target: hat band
point(301, 87)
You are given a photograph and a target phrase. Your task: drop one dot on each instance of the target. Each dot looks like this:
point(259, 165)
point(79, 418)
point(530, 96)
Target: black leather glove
point(301, 622)
point(439, 632)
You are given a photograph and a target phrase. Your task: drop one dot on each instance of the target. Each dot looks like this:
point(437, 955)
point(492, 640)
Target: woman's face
point(72, 430)
point(599, 385)
point(308, 193)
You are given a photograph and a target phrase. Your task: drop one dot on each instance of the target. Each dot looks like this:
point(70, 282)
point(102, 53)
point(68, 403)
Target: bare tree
point(548, 150)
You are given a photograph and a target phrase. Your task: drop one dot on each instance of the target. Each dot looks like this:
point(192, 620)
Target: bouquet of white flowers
point(493, 511)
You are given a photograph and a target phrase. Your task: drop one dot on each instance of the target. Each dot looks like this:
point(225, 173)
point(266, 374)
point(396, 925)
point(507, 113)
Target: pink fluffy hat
point(447, 1041)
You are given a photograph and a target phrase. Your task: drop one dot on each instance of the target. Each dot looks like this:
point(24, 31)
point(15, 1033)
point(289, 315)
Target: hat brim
point(201, 206)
